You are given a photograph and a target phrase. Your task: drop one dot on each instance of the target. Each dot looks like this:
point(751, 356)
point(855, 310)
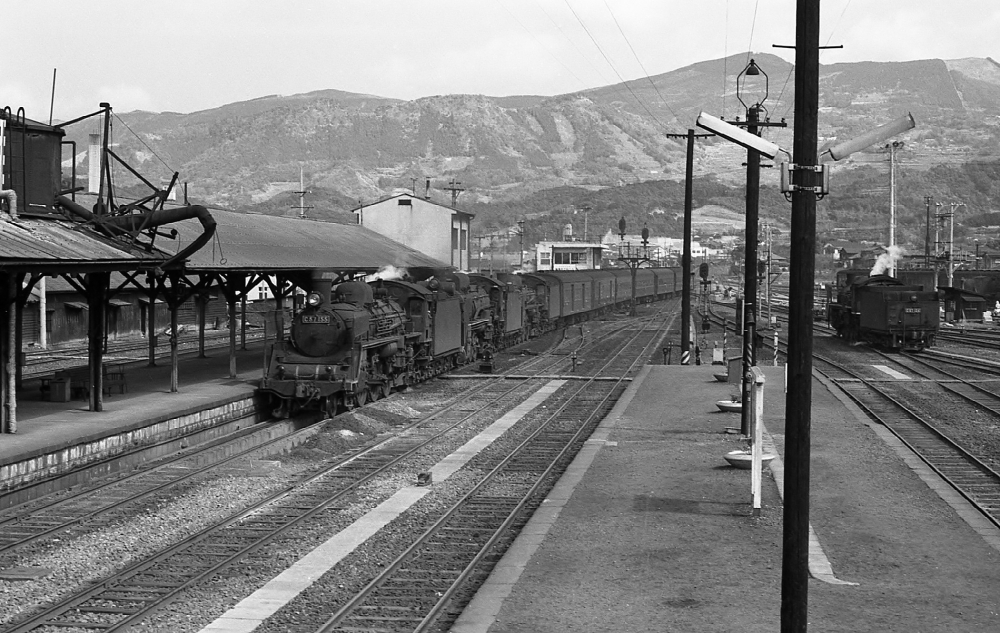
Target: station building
point(434, 229)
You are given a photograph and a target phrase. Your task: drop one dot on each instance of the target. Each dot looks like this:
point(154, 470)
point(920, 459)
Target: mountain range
point(352, 148)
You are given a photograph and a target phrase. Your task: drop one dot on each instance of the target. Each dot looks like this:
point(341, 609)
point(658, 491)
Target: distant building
point(666, 250)
point(568, 256)
point(436, 230)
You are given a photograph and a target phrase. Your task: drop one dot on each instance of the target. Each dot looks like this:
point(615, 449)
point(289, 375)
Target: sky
point(190, 55)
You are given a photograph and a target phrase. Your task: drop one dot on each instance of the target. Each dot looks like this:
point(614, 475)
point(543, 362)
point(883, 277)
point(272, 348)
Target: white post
point(756, 446)
point(776, 348)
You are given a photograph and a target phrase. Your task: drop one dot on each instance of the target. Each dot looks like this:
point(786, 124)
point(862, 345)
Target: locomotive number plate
point(913, 310)
point(315, 318)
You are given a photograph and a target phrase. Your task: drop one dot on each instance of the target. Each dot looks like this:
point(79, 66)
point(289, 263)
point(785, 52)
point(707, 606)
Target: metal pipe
point(127, 224)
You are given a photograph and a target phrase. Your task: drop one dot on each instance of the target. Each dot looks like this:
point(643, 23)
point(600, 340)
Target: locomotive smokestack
point(322, 285)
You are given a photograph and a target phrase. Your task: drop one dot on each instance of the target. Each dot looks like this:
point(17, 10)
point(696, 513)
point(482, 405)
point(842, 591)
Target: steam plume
point(886, 260)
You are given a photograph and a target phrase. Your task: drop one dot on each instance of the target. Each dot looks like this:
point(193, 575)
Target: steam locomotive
point(883, 311)
point(355, 342)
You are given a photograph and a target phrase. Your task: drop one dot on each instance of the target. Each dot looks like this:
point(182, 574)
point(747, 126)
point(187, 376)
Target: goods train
point(883, 311)
point(358, 341)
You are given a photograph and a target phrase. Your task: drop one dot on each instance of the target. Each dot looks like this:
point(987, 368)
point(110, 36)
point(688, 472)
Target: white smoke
point(886, 260)
point(391, 273)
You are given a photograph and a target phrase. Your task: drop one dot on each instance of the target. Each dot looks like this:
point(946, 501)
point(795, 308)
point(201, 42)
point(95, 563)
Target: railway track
point(139, 589)
point(427, 581)
point(967, 474)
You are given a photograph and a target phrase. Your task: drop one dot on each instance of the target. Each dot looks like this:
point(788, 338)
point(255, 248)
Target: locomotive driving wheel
point(361, 396)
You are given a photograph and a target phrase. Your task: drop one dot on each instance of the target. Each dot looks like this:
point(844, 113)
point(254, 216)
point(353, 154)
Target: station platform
point(652, 530)
point(50, 434)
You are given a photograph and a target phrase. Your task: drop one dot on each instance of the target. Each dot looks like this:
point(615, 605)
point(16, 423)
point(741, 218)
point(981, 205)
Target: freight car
point(359, 341)
point(883, 311)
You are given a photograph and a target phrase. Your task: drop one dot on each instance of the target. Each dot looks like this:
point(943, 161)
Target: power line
point(529, 32)
point(832, 31)
point(671, 110)
point(753, 25)
point(603, 54)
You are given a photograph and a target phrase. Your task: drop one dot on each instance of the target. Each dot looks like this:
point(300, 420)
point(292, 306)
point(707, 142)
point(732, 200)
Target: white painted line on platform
point(250, 612)
point(892, 372)
point(819, 565)
point(481, 612)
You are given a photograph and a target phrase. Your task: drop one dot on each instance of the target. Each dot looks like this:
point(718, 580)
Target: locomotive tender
point(358, 341)
point(883, 311)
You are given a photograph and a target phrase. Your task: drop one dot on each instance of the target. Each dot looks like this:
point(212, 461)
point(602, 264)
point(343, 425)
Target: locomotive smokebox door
point(706, 325)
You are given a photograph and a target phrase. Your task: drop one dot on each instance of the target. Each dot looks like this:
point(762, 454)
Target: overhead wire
point(725, 61)
point(610, 84)
point(521, 24)
point(608, 60)
point(792, 69)
point(639, 61)
point(144, 144)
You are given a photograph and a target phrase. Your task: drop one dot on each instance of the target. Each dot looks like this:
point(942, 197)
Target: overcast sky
point(189, 55)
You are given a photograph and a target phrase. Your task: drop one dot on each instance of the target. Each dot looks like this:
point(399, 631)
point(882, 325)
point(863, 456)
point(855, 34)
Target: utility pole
point(802, 275)
point(686, 249)
point(454, 188)
point(520, 232)
point(302, 195)
point(892, 147)
point(927, 233)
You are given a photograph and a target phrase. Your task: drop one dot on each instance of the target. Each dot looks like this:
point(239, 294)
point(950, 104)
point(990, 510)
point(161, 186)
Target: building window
point(454, 239)
point(569, 258)
point(545, 259)
point(405, 202)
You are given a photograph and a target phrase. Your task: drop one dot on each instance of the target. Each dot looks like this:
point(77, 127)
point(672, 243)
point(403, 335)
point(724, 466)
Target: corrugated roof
point(254, 242)
point(35, 242)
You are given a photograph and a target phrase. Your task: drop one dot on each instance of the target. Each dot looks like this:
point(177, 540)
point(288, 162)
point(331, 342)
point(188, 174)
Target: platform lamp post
point(633, 257)
point(750, 308)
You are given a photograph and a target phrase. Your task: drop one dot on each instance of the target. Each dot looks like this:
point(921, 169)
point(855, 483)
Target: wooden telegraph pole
point(798, 401)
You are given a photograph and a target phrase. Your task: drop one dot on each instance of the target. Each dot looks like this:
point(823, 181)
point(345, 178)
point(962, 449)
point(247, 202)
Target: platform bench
point(114, 377)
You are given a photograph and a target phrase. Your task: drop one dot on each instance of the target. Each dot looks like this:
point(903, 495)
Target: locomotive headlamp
point(314, 299)
point(913, 298)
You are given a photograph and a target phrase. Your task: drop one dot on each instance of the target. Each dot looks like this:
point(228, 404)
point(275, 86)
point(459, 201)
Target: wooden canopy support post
point(234, 288)
point(8, 392)
point(174, 356)
point(278, 290)
point(151, 292)
point(23, 292)
point(243, 320)
point(201, 303)
point(97, 291)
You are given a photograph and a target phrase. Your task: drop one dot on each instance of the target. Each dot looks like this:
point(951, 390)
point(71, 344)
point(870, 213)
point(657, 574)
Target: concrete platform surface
point(44, 426)
point(651, 529)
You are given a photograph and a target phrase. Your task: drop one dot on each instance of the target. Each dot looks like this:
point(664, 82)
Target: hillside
point(358, 148)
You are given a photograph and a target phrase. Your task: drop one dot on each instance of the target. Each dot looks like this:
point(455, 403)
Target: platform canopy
point(48, 245)
point(261, 243)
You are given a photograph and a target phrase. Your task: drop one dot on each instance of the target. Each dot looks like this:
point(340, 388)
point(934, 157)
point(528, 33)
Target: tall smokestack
point(94, 163)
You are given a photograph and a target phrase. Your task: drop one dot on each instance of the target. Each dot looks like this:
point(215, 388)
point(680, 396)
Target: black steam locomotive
point(355, 341)
point(883, 311)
